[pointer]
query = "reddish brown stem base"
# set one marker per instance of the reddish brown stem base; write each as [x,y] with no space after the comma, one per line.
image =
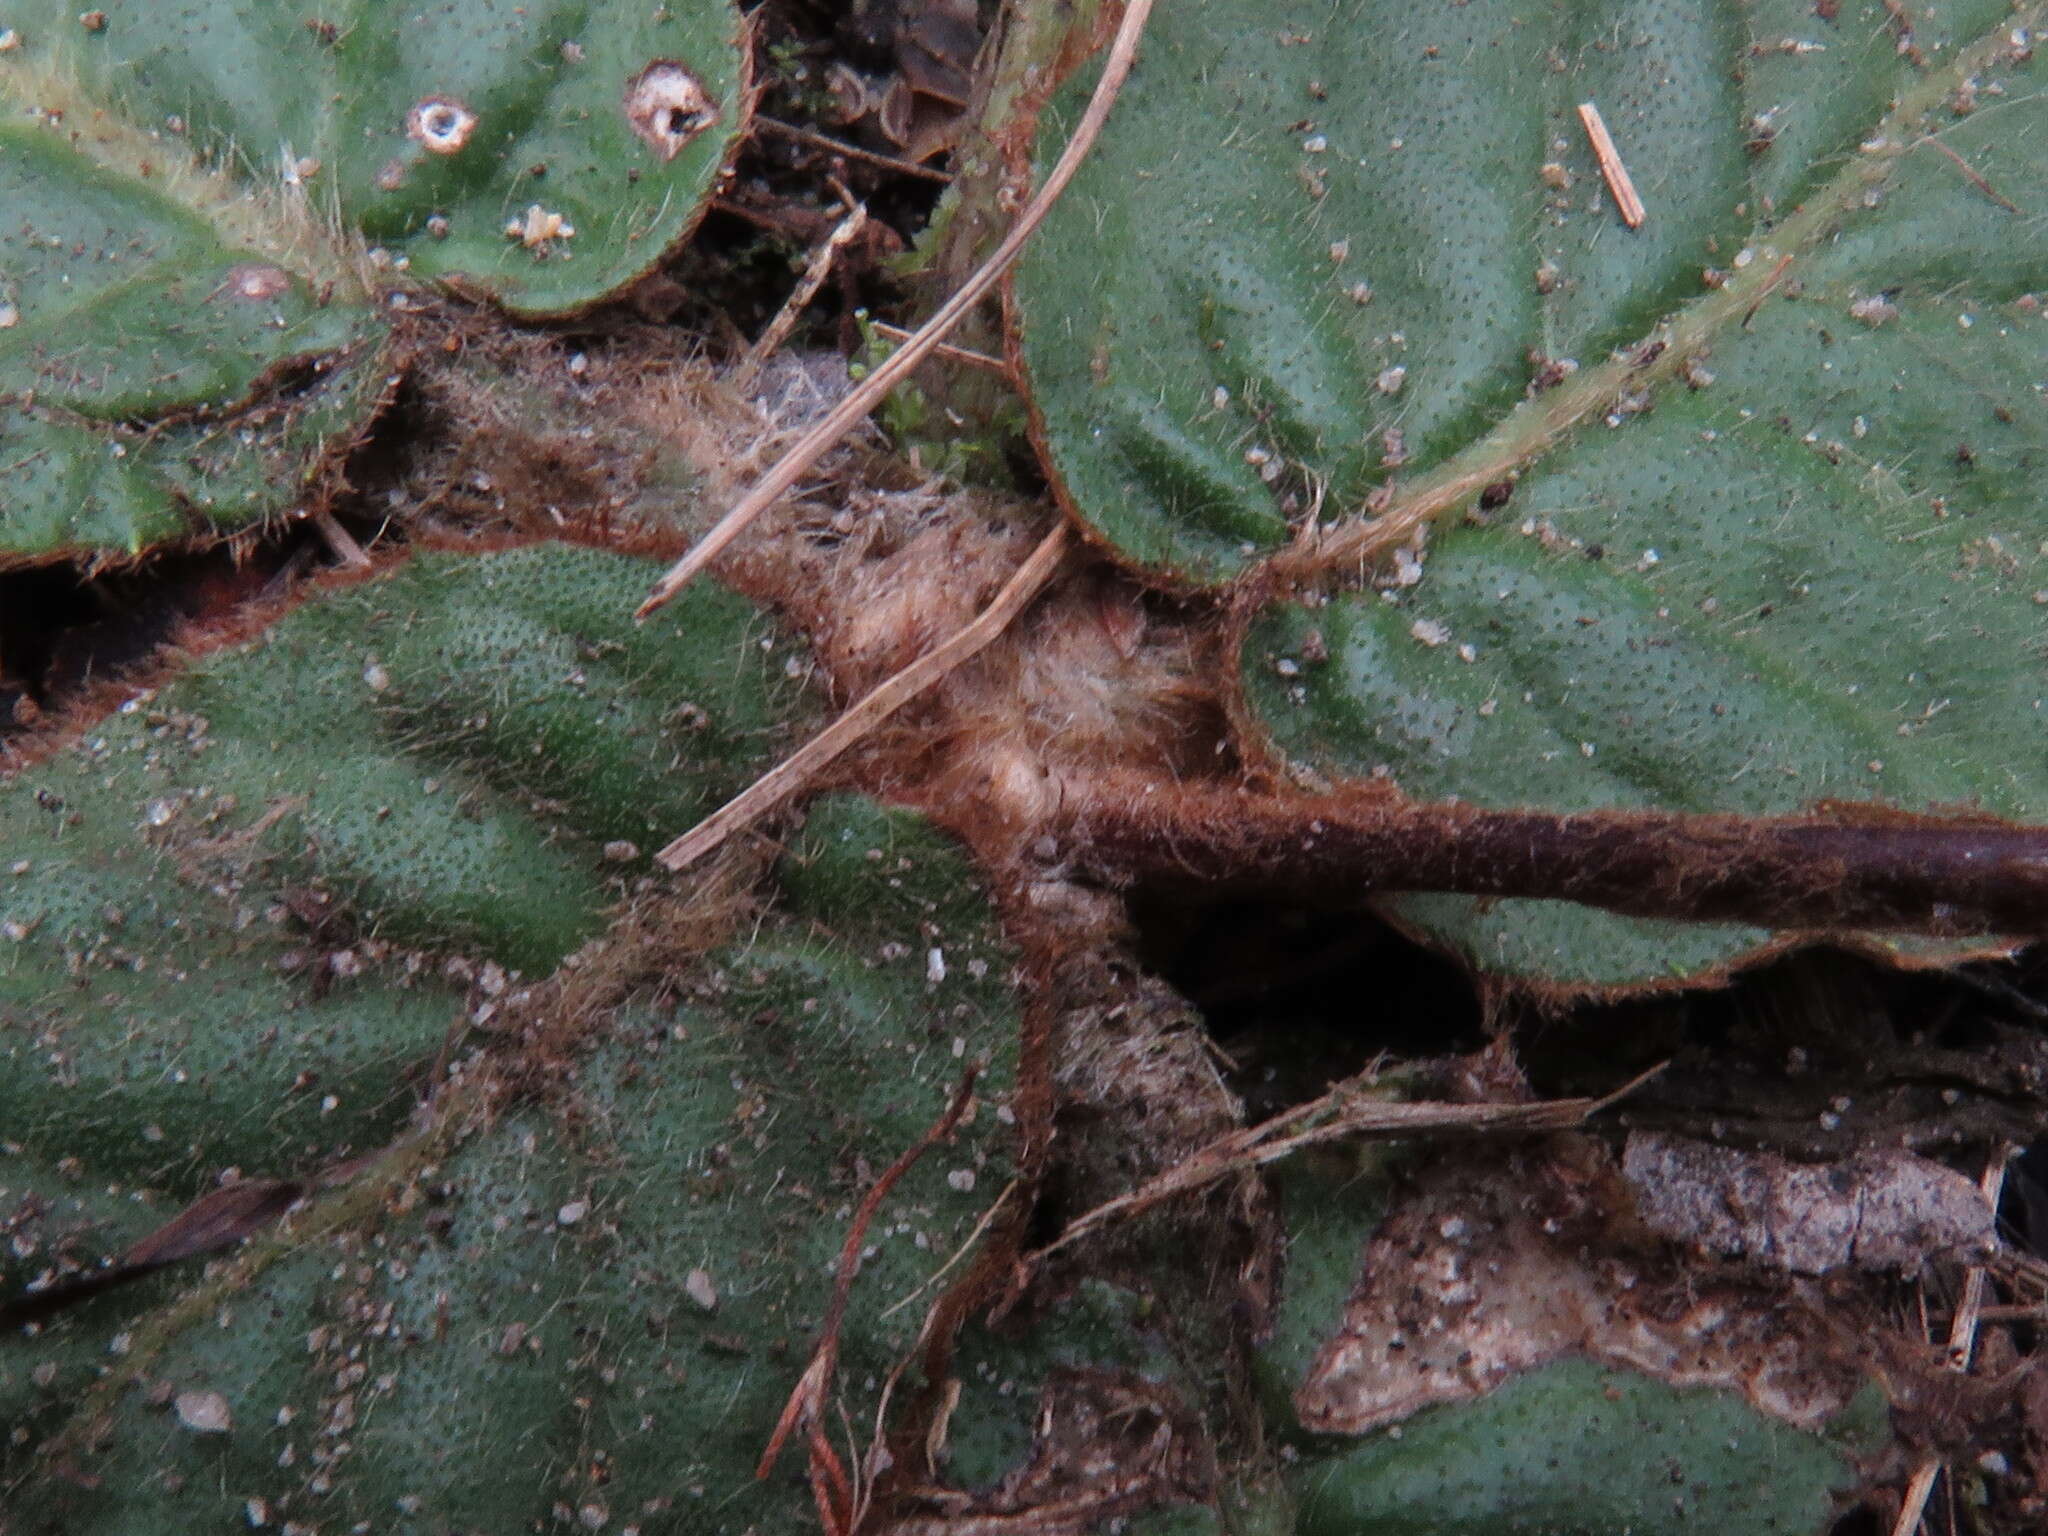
[1840,866]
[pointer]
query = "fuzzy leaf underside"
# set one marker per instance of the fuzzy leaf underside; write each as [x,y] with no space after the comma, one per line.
[1791,554]
[601,1300]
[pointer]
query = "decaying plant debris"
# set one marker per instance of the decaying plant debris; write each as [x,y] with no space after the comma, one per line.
[1711,1206]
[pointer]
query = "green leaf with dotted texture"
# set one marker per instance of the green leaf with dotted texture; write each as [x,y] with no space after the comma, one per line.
[212,204]
[1736,511]
[249,921]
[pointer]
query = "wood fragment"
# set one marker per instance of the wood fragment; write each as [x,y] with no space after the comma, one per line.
[876,386]
[1611,169]
[340,544]
[1962,1343]
[790,775]
[815,272]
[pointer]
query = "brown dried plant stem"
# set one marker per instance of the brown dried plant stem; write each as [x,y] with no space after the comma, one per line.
[830,1485]
[1346,1112]
[1837,867]
[1962,1344]
[796,770]
[822,261]
[871,391]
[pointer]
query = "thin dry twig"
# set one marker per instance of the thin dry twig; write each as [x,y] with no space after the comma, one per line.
[1972,176]
[1338,1114]
[790,775]
[945,349]
[815,272]
[340,543]
[830,1485]
[966,1247]
[871,391]
[850,151]
[1962,1343]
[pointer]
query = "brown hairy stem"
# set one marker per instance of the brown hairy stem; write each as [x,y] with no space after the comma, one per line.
[1838,866]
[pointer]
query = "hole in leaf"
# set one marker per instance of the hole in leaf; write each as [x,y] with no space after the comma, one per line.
[441,125]
[668,107]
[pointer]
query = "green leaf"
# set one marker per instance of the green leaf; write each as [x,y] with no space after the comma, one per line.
[595,1300]
[206,198]
[615,119]
[1577,1450]
[1569,1447]
[437,758]
[1782,546]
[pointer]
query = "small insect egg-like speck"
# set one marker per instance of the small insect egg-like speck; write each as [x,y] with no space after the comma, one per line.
[1391,380]
[935,972]
[205,1413]
[961,1179]
[1315,144]
[1360,293]
[1340,252]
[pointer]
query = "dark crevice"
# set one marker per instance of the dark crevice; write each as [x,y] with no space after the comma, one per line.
[1299,998]
[69,625]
